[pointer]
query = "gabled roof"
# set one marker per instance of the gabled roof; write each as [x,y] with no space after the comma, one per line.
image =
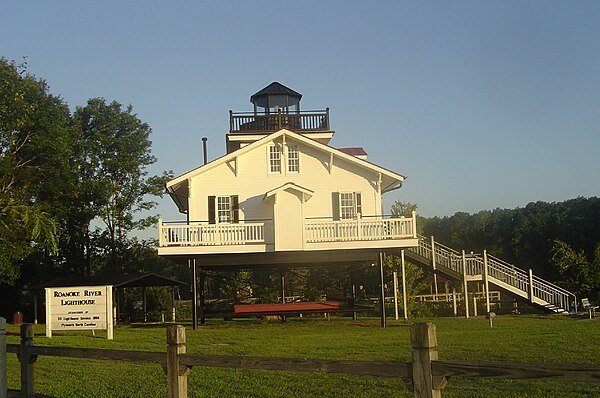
[174,183]
[276,88]
[307,193]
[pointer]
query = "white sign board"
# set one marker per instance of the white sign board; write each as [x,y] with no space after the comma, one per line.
[79,308]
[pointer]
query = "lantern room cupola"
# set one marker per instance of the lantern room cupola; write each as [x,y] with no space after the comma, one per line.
[275,98]
[276,107]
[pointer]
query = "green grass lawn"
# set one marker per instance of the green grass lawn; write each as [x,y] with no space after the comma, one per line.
[542,339]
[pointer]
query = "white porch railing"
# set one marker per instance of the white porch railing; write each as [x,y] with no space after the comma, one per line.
[360,229]
[210,234]
[202,234]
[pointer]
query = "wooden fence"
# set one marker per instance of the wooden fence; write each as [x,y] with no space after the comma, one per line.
[426,376]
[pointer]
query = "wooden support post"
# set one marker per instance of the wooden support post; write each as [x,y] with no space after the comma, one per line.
[404,298]
[395,293]
[282,286]
[27,360]
[454,307]
[531,298]
[486,282]
[115,312]
[465,285]
[382,290]
[434,267]
[354,314]
[176,374]
[3,383]
[192,264]
[282,276]
[35,307]
[474,305]
[173,303]
[432,253]
[110,324]
[202,282]
[423,339]
[145,304]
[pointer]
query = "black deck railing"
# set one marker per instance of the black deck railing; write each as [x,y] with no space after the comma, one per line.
[246,122]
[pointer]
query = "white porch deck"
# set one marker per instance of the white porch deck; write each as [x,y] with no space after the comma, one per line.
[250,237]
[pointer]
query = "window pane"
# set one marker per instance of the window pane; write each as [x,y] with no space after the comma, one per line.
[347,205]
[275,159]
[293,159]
[224,209]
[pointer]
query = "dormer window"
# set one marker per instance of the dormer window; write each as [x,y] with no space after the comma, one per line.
[293,159]
[274,159]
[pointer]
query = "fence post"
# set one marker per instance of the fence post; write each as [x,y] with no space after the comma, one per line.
[424,344]
[465,284]
[27,360]
[3,384]
[176,374]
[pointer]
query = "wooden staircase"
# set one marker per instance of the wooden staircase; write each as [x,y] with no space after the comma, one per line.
[491,270]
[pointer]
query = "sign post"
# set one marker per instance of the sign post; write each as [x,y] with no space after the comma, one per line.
[79,308]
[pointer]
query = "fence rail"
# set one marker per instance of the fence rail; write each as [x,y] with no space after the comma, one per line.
[494,295]
[516,371]
[426,376]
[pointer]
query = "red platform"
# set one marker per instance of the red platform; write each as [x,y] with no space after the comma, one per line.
[316,306]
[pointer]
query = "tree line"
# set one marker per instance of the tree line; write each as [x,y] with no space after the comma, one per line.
[74,184]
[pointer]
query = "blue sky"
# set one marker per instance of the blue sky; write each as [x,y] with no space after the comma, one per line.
[480,104]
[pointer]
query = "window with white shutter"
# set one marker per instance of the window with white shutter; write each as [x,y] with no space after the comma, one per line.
[223,209]
[347,205]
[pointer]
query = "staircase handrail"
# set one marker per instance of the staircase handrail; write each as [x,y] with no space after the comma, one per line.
[446,252]
[535,277]
[492,259]
[437,244]
[556,287]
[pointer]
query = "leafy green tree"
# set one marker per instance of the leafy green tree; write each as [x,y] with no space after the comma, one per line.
[33,125]
[112,157]
[403,209]
[579,274]
[406,209]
